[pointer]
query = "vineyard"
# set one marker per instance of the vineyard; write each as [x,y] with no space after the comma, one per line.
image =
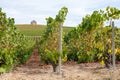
[90,46]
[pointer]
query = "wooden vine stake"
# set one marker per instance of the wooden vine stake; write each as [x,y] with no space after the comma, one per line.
[113,47]
[60,47]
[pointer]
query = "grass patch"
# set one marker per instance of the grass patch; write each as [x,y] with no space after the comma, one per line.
[35,30]
[31,30]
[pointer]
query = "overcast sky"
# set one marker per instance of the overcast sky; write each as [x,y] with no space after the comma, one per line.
[24,11]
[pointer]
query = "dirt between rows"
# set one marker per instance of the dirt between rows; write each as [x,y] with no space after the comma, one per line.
[36,70]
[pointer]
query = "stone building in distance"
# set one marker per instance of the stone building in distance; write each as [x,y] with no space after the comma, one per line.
[33,22]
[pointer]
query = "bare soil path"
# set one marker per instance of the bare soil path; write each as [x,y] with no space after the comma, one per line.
[36,70]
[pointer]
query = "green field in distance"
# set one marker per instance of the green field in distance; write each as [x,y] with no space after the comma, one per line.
[36,30]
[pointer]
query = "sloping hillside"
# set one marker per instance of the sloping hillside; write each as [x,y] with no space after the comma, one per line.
[35,30]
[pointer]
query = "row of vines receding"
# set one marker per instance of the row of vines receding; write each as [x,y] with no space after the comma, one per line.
[92,41]
[49,43]
[15,48]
